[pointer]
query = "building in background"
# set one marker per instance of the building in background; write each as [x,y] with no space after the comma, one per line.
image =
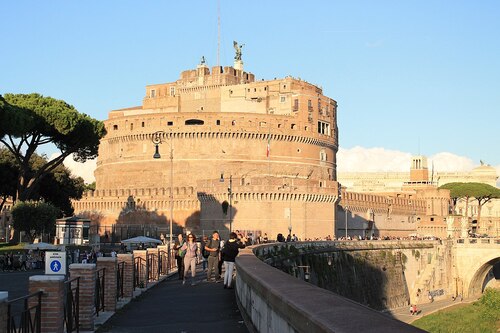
[234,153]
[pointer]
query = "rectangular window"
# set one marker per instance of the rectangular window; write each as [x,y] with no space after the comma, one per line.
[296,104]
[172,91]
[142,124]
[282,99]
[323,128]
[115,127]
[218,122]
[170,123]
[153,93]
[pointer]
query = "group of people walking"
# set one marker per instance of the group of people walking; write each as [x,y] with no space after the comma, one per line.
[214,251]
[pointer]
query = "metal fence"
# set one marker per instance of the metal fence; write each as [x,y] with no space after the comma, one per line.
[140,272]
[119,279]
[28,319]
[72,305]
[153,266]
[99,290]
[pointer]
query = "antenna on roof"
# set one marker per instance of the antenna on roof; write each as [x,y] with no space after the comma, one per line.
[218,33]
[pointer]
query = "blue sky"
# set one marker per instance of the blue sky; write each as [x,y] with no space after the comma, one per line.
[409,76]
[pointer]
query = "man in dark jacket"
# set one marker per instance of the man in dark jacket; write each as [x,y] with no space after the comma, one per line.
[230,251]
[179,255]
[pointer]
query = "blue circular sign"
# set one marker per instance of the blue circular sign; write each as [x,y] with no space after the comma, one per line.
[55,266]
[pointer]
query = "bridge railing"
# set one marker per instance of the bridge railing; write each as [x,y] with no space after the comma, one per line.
[492,241]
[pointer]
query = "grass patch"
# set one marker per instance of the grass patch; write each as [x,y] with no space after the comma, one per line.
[482,316]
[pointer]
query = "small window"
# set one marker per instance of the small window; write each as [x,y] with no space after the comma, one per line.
[284,86]
[293,126]
[296,105]
[153,93]
[115,127]
[282,99]
[170,123]
[265,88]
[279,125]
[432,219]
[131,126]
[172,91]
[254,89]
[233,122]
[218,122]
[142,124]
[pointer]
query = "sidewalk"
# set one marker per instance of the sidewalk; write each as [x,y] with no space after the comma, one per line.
[403,313]
[172,307]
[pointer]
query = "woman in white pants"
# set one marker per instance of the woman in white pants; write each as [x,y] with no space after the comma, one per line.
[190,258]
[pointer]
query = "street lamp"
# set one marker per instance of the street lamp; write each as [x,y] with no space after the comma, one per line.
[290,188]
[230,196]
[346,209]
[157,140]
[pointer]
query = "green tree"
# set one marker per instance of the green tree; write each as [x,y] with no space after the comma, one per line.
[90,187]
[34,217]
[8,176]
[31,121]
[483,193]
[457,191]
[58,186]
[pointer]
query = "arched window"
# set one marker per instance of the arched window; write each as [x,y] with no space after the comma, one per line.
[194,122]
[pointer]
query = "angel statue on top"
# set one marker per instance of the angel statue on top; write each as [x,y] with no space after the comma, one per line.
[238,50]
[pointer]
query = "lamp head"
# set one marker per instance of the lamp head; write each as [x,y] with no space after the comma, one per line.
[157,152]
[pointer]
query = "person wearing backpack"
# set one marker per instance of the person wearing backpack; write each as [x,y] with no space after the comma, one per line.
[229,252]
[213,249]
[179,255]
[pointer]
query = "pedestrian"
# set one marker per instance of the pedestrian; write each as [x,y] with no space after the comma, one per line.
[191,248]
[179,255]
[230,251]
[213,248]
[265,239]
[204,253]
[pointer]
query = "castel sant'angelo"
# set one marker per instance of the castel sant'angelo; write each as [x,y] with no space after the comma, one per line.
[232,152]
[219,150]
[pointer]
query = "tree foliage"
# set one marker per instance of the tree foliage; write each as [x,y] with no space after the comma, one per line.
[34,217]
[8,176]
[58,186]
[31,121]
[481,192]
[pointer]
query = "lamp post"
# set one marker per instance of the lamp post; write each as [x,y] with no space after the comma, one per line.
[157,140]
[230,196]
[346,209]
[290,188]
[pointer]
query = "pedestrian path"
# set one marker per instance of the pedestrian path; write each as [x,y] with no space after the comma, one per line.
[171,306]
[403,313]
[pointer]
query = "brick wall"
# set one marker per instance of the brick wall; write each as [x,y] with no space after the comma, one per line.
[87,274]
[52,300]
[110,264]
[128,274]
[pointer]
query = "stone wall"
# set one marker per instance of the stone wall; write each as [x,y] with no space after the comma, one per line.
[273,301]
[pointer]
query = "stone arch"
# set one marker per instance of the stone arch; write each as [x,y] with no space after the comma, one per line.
[480,270]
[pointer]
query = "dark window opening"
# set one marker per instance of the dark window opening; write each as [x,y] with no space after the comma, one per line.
[194,122]
[218,122]
[142,124]
[115,127]
[170,123]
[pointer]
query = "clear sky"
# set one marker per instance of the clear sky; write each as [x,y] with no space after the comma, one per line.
[409,77]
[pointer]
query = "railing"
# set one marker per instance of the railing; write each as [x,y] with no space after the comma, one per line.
[140,273]
[478,241]
[99,290]
[153,267]
[72,305]
[29,320]
[119,279]
[166,262]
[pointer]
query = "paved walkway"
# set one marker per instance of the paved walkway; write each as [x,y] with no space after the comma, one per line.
[403,314]
[172,307]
